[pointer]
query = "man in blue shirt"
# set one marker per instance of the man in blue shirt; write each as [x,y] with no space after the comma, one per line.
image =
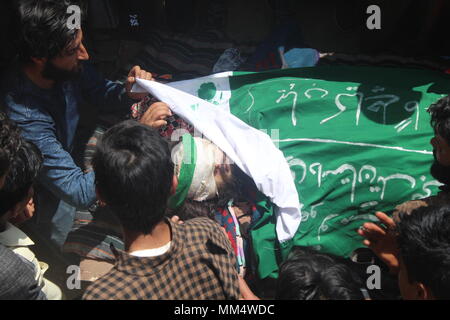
[42,94]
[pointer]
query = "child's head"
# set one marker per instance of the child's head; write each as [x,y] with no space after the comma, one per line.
[9,144]
[311,275]
[134,175]
[18,188]
[424,243]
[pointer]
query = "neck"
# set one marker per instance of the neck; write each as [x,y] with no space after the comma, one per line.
[136,241]
[34,73]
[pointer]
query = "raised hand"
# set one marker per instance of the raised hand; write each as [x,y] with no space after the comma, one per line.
[155,115]
[382,240]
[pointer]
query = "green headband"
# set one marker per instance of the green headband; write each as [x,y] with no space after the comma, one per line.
[186,172]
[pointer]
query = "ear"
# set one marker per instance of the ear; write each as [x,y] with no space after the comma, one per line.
[423,292]
[173,189]
[99,198]
[40,62]
[217,169]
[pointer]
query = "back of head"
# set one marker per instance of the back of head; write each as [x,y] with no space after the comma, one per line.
[424,243]
[440,117]
[310,275]
[43,31]
[134,174]
[20,178]
[10,142]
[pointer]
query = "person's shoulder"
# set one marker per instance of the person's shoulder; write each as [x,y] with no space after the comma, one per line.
[17,278]
[202,224]
[206,230]
[106,287]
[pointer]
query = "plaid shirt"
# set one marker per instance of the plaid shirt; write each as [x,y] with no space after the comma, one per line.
[200,264]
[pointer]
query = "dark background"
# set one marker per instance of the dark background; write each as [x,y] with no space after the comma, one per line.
[410,28]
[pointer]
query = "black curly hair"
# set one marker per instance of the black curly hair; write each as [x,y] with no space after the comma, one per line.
[440,117]
[424,243]
[10,142]
[311,275]
[41,27]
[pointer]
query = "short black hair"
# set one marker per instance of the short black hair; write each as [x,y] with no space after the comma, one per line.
[424,243]
[42,28]
[310,275]
[134,173]
[440,117]
[10,142]
[22,174]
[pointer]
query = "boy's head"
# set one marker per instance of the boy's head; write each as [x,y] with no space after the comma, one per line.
[10,142]
[424,243]
[134,175]
[310,275]
[18,188]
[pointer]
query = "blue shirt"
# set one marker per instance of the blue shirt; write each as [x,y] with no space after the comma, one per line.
[49,119]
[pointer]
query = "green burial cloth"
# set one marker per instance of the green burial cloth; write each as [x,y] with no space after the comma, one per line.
[356,140]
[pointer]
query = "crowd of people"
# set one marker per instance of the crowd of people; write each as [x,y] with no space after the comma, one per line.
[184,215]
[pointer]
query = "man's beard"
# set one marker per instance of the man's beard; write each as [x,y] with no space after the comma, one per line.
[440,172]
[57,74]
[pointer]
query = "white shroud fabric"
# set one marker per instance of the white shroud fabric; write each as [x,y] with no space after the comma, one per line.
[252,150]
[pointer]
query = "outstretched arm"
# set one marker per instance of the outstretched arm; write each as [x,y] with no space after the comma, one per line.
[382,240]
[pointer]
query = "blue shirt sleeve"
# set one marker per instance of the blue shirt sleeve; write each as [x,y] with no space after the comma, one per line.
[59,174]
[104,94]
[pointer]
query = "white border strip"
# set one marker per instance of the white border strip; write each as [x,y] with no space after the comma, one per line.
[359,144]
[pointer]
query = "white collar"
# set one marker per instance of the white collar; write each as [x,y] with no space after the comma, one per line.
[14,237]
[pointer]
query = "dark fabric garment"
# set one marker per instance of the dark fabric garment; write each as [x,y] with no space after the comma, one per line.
[185,56]
[93,233]
[17,278]
[200,264]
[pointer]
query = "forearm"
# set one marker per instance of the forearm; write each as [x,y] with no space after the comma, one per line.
[107,95]
[72,186]
[59,174]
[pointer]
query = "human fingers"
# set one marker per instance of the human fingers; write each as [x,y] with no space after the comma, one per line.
[159,105]
[146,75]
[373,228]
[134,72]
[156,113]
[158,124]
[158,108]
[385,219]
[371,231]
[177,220]
[160,114]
